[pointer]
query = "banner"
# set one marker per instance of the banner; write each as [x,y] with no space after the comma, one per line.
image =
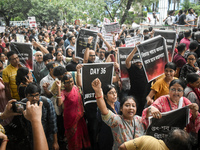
[112,27]
[20,38]
[130,42]
[32,22]
[103,71]
[171,38]
[154,56]
[25,53]
[123,54]
[81,42]
[159,128]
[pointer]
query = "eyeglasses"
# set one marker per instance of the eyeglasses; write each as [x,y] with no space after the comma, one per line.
[176,90]
[101,52]
[191,59]
[32,96]
[92,55]
[112,92]
[39,55]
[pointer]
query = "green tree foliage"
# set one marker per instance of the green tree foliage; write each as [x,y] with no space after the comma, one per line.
[14,8]
[44,11]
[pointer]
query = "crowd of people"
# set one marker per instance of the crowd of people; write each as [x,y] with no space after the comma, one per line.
[184,17]
[118,119]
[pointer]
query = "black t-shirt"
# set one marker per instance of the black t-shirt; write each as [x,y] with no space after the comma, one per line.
[71,66]
[181,19]
[139,84]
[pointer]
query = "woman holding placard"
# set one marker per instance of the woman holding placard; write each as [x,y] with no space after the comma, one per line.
[173,101]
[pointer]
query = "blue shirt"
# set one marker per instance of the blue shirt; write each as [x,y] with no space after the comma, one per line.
[66,43]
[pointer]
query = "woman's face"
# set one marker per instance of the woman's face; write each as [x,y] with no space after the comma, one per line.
[69,52]
[111,96]
[69,85]
[175,92]
[59,56]
[191,60]
[169,73]
[3,57]
[129,109]
[195,84]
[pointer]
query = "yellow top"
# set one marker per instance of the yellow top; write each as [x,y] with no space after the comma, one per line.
[145,143]
[9,76]
[161,88]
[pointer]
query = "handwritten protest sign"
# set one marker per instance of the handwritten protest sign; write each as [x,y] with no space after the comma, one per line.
[81,42]
[159,128]
[130,42]
[171,38]
[103,71]
[154,56]
[32,22]
[25,53]
[112,27]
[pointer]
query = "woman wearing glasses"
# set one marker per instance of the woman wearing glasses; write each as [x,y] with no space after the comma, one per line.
[104,133]
[74,122]
[173,101]
[190,66]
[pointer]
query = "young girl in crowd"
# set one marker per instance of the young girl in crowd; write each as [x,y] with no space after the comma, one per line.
[161,86]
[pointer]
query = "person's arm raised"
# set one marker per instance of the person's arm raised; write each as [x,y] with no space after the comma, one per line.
[78,68]
[106,43]
[130,57]
[86,54]
[96,85]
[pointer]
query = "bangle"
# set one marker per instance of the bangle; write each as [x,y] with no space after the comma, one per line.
[58,96]
[5,140]
[98,97]
[88,45]
[78,74]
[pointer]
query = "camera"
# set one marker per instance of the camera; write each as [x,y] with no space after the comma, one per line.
[18,107]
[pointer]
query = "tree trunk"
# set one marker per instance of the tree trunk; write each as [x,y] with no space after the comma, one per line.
[112,18]
[7,20]
[128,6]
[153,7]
[174,5]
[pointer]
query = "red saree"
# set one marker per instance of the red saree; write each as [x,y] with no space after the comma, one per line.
[74,123]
